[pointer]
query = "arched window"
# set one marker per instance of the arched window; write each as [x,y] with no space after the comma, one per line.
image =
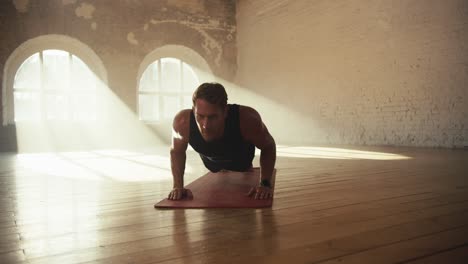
[166,87]
[54,85]
[52,78]
[167,77]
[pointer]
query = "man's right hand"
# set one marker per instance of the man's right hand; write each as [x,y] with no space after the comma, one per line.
[180,193]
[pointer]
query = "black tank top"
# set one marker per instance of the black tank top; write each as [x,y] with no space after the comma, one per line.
[231,152]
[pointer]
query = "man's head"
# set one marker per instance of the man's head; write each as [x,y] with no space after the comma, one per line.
[210,109]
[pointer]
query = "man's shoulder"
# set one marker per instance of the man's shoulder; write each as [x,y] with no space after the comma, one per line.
[181,123]
[248,114]
[250,122]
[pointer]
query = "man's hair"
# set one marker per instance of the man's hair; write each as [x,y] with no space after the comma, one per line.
[213,93]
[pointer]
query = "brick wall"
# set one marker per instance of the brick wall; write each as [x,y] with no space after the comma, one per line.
[357,72]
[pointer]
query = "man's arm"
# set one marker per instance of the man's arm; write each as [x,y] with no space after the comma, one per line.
[254,130]
[180,132]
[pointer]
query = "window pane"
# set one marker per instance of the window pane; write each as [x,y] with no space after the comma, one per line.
[28,75]
[190,80]
[56,69]
[56,107]
[171,75]
[150,78]
[27,107]
[187,102]
[82,77]
[83,107]
[148,107]
[171,106]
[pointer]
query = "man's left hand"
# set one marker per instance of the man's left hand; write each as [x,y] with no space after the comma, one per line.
[261,193]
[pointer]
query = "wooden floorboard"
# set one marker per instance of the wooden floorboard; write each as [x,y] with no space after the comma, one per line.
[341,205]
[455,255]
[420,246]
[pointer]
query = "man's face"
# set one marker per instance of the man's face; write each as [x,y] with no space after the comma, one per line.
[210,119]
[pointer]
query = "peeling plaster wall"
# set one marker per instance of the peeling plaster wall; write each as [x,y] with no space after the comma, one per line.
[123,32]
[357,72]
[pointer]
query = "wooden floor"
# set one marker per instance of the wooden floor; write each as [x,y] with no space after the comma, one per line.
[332,205]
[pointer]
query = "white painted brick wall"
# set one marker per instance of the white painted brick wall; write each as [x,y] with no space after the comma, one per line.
[356,72]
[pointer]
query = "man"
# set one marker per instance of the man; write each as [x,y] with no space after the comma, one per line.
[225,136]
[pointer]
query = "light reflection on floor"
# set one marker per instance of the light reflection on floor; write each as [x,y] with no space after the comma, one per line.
[131,166]
[100,165]
[66,201]
[335,153]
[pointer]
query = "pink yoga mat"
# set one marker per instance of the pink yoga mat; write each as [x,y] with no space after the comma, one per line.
[222,190]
